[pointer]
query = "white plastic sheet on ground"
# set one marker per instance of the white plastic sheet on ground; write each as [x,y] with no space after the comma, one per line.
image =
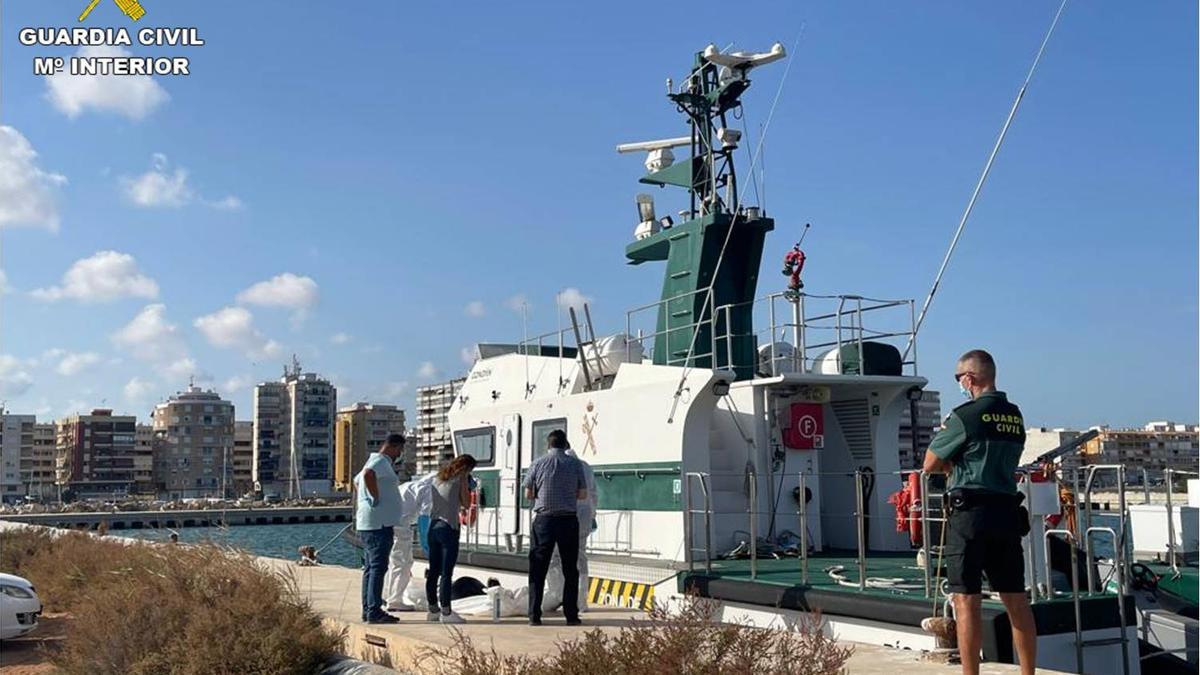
[512,603]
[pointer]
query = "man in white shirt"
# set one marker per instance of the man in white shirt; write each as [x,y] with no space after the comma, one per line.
[377,512]
[414,500]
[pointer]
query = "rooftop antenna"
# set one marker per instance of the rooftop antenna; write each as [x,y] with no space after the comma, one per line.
[962,223]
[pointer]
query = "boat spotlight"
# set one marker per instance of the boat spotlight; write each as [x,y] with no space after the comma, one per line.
[729,137]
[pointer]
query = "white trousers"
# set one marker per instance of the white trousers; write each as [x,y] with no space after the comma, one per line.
[400,564]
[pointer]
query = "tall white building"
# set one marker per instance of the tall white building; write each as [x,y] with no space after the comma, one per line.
[1040,440]
[294,421]
[16,439]
[433,439]
[37,467]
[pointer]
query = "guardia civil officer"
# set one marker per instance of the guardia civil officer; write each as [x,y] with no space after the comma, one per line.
[980,446]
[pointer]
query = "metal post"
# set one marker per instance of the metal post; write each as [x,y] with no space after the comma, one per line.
[1029,559]
[753,525]
[862,544]
[1145,486]
[1171,557]
[707,525]
[728,342]
[803,532]
[1074,589]
[1119,551]
[862,369]
[687,522]
[926,534]
[771,335]
[799,336]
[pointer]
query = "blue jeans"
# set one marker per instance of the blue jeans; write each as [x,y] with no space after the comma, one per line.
[377,545]
[443,555]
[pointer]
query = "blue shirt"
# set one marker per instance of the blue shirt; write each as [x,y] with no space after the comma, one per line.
[556,479]
[384,511]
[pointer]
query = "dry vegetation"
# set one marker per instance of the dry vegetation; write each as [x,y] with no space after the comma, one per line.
[690,642]
[148,609]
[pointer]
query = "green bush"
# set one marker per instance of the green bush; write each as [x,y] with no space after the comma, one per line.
[148,609]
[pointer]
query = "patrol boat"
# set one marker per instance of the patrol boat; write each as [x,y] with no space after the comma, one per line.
[744,446]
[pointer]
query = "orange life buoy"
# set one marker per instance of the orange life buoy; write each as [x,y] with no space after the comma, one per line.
[469,516]
[908,512]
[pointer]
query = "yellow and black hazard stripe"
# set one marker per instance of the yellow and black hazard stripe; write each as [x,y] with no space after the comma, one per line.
[616,593]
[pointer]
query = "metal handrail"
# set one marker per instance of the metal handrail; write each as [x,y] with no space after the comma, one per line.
[1074,588]
[803,531]
[753,476]
[1119,561]
[687,522]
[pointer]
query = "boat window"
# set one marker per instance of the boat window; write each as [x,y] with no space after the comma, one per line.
[479,443]
[541,431]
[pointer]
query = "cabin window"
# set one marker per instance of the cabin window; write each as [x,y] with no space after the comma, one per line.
[479,443]
[541,432]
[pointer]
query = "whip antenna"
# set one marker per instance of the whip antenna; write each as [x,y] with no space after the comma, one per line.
[962,223]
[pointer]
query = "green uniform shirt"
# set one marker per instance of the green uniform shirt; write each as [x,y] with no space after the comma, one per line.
[983,438]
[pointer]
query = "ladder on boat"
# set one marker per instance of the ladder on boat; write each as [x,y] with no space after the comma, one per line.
[583,345]
[1121,570]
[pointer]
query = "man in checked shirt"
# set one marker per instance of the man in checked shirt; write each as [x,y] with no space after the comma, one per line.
[556,482]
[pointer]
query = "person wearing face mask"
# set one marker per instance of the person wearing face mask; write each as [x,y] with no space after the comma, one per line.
[979,447]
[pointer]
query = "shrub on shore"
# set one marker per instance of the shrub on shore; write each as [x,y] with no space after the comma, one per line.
[689,641]
[148,609]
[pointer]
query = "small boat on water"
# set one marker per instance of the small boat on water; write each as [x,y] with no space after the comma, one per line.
[747,448]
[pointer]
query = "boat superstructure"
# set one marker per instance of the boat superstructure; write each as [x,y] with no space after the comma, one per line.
[745,447]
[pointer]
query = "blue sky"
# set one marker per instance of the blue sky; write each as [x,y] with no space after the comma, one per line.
[369,185]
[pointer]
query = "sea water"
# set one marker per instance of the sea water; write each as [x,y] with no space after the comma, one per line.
[273,541]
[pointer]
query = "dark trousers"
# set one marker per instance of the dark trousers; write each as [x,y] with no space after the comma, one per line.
[443,556]
[377,544]
[561,530]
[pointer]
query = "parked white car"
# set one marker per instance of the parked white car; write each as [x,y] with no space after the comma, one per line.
[19,606]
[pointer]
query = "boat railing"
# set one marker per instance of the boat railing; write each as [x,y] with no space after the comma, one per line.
[814,326]
[635,320]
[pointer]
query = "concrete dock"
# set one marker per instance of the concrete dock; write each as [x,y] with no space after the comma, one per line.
[335,593]
[175,519]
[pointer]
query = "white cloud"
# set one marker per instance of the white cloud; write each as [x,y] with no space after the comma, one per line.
[517,303]
[467,354]
[394,390]
[475,309]
[340,338]
[236,384]
[572,297]
[27,193]
[427,371]
[227,203]
[295,292]
[14,380]
[4,288]
[233,328]
[159,187]
[132,96]
[107,275]
[74,363]
[137,389]
[150,337]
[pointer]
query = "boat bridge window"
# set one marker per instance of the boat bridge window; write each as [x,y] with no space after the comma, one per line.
[541,432]
[479,443]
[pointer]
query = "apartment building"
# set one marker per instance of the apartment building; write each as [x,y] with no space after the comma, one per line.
[143,459]
[1154,447]
[361,429]
[294,434]
[95,455]
[16,440]
[929,420]
[193,443]
[243,457]
[434,442]
[37,467]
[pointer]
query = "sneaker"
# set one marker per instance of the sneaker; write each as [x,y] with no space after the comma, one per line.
[452,618]
[574,622]
[384,618]
[401,607]
[433,616]
[535,621]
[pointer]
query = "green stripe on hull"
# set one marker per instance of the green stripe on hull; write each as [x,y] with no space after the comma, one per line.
[645,486]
